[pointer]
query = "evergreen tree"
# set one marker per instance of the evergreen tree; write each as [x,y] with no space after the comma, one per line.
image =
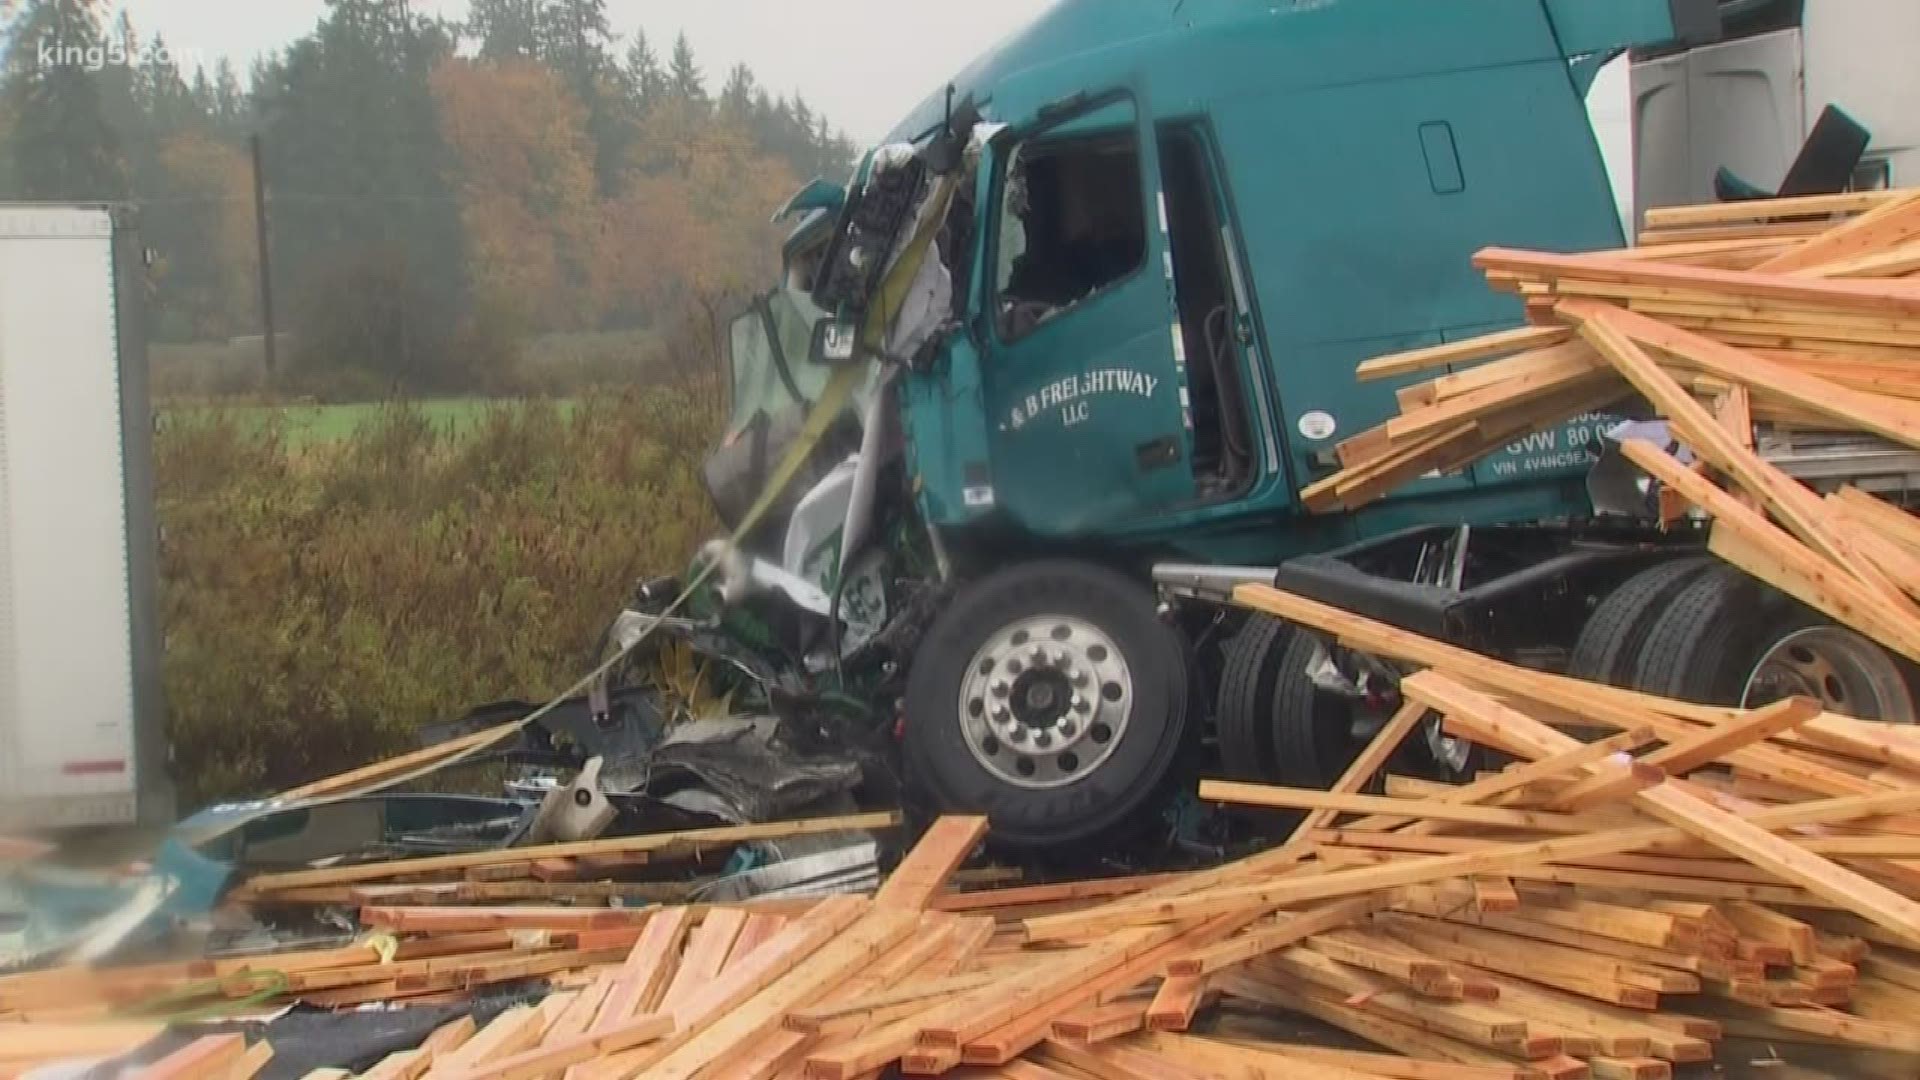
[62,144]
[644,76]
[364,194]
[230,104]
[577,44]
[506,29]
[737,98]
[684,80]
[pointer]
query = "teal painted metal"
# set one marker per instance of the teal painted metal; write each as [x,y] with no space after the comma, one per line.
[1364,150]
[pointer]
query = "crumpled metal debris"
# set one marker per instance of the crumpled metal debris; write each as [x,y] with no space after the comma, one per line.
[743,770]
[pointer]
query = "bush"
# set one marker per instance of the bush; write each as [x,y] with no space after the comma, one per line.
[321,603]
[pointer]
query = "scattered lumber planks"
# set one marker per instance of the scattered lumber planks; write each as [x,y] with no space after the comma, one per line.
[1425,921]
[1791,313]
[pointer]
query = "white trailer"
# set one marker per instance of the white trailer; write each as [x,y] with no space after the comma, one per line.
[1748,103]
[81,743]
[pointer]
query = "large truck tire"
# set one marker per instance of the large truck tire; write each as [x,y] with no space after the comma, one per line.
[1729,639]
[1051,698]
[1243,709]
[1609,645]
[1312,730]
[1317,734]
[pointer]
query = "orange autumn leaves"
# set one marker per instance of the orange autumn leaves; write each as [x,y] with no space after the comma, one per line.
[688,213]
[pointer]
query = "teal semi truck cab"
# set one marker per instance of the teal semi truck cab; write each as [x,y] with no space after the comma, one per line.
[1103,297]
[1201,217]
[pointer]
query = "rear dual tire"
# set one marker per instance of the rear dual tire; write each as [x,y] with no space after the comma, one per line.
[1729,639]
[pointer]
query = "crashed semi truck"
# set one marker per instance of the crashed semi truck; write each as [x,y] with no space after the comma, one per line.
[1095,309]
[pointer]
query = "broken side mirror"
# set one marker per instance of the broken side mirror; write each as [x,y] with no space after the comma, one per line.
[834,342]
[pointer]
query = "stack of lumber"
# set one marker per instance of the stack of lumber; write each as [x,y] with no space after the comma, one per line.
[1694,885]
[1795,312]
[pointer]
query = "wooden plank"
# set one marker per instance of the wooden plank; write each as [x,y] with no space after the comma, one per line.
[401,1065]
[1176,1003]
[1100,1023]
[1867,898]
[1719,213]
[754,933]
[1243,794]
[1848,408]
[1376,1027]
[738,984]
[1792,502]
[1286,931]
[1901,297]
[42,1041]
[1359,773]
[454,920]
[383,771]
[763,1012]
[1885,226]
[1897,524]
[852,1013]
[208,1055]
[481,892]
[554,1055]
[643,977]
[923,874]
[508,1033]
[1515,777]
[1402,462]
[1704,748]
[1746,539]
[1743,838]
[1821,1026]
[1599,704]
[1471,1022]
[1365,1062]
[1494,894]
[707,949]
[1027,895]
[250,1063]
[507,871]
[555,869]
[1138,964]
[1568,970]
[1461,352]
[1576,365]
[1503,858]
[449,1036]
[735,834]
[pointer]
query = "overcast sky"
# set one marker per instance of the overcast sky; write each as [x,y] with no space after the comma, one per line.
[865,62]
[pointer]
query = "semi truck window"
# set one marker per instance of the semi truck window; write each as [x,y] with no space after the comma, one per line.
[1072,218]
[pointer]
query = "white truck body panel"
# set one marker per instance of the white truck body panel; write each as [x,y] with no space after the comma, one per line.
[77,703]
[1859,56]
[1750,103]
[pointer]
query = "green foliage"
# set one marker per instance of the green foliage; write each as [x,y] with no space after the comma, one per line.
[61,144]
[323,600]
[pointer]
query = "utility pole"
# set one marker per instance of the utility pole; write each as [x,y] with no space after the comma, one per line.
[261,232]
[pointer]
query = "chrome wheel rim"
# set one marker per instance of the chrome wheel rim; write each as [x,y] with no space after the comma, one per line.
[1837,667]
[1045,701]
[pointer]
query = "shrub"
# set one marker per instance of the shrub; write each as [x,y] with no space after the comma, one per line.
[320,603]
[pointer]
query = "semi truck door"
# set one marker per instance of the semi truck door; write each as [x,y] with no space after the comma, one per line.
[1085,385]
